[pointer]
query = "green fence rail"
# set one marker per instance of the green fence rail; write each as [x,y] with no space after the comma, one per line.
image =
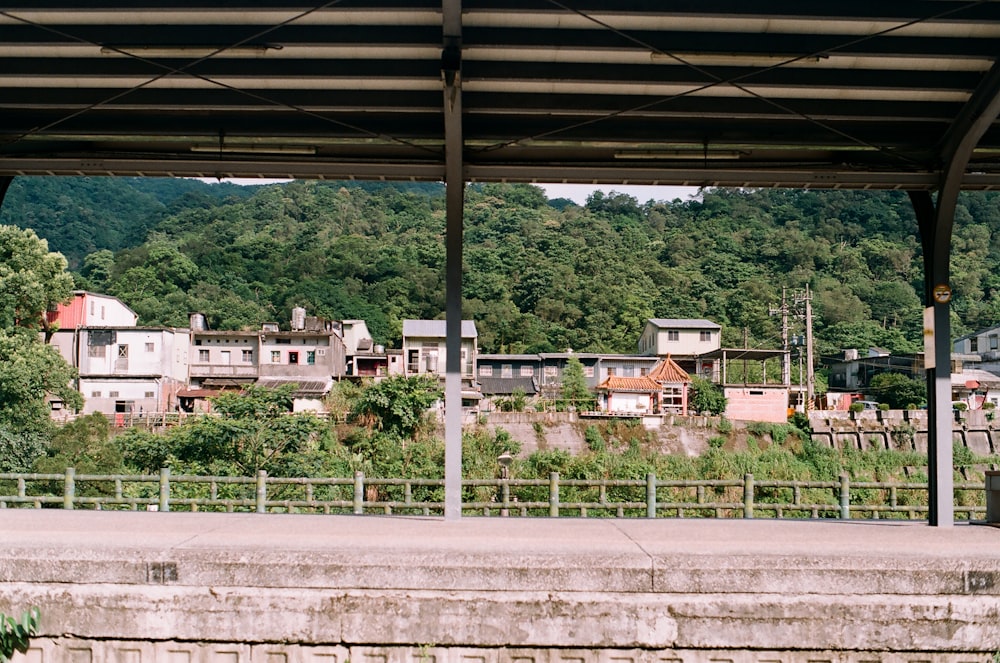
[555,496]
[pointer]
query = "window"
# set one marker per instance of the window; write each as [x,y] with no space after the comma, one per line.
[247,356]
[293,357]
[311,357]
[673,335]
[102,312]
[112,394]
[283,341]
[150,347]
[96,351]
[275,356]
[611,371]
[974,344]
[150,394]
[527,372]
[226,357]
[643,372]
[203,356]
[705,336]
[507,371]
[95,394]
[551,371]
[993,341]
[123,352]
[588,371]
[486,371]
[92,313]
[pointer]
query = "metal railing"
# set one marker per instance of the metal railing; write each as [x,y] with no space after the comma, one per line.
[553,497]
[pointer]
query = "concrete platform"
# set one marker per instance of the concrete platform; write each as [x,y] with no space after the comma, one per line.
[303,581]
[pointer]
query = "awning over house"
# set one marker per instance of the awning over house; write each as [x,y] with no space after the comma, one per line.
[507,386]
[198,393]
[227,382]
[308,387]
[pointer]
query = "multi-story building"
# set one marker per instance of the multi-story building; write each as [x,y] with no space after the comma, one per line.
[311,354]
[425,352]
[126,370]
[89,309]
[680,339]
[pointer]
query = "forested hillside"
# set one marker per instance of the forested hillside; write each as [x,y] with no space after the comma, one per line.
[539,276]
[80,215]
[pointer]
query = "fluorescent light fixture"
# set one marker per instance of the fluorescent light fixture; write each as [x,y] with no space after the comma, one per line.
[189,51]
[692,154]
[255,149]
[733,59]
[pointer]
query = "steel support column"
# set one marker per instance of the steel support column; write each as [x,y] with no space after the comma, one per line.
[935,222]
[936,219]
[451,65]
[4,186]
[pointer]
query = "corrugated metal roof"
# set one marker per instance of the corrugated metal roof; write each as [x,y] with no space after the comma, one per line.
[684,323]
[435,329]
[710,93]
[307,386]
[507,386]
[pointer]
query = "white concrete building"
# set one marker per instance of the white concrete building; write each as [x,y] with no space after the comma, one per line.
[681,339]
[127,370]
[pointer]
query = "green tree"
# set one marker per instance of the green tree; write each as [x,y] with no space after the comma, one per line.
[897,390]
[706,397]
[32,280]
[574,390]
[255,430]
[84,444]
[396,406]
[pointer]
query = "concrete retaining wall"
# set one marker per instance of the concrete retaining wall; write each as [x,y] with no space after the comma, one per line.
[141,587]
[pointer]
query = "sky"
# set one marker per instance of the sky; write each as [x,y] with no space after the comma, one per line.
[578,193]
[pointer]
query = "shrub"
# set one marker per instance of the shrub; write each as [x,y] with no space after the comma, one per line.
[725,426]
[594,439]
[856,407]
[883,407]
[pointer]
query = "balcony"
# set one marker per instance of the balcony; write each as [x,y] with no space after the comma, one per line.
[223,371]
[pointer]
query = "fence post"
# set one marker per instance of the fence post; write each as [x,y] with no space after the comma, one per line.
[845,497]
[651,495]
[359,493]
[164,489]
[69,487]
[261,490]
[554,494]
[748,496]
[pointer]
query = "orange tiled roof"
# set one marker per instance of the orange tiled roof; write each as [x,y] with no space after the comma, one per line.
[617,383]
[668,371]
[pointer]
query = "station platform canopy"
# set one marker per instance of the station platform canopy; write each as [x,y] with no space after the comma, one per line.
[852,94]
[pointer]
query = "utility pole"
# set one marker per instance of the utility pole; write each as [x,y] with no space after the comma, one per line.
[810,374]
[786,372]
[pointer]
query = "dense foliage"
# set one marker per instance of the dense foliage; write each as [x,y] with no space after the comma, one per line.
[539,276]
[31,281]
